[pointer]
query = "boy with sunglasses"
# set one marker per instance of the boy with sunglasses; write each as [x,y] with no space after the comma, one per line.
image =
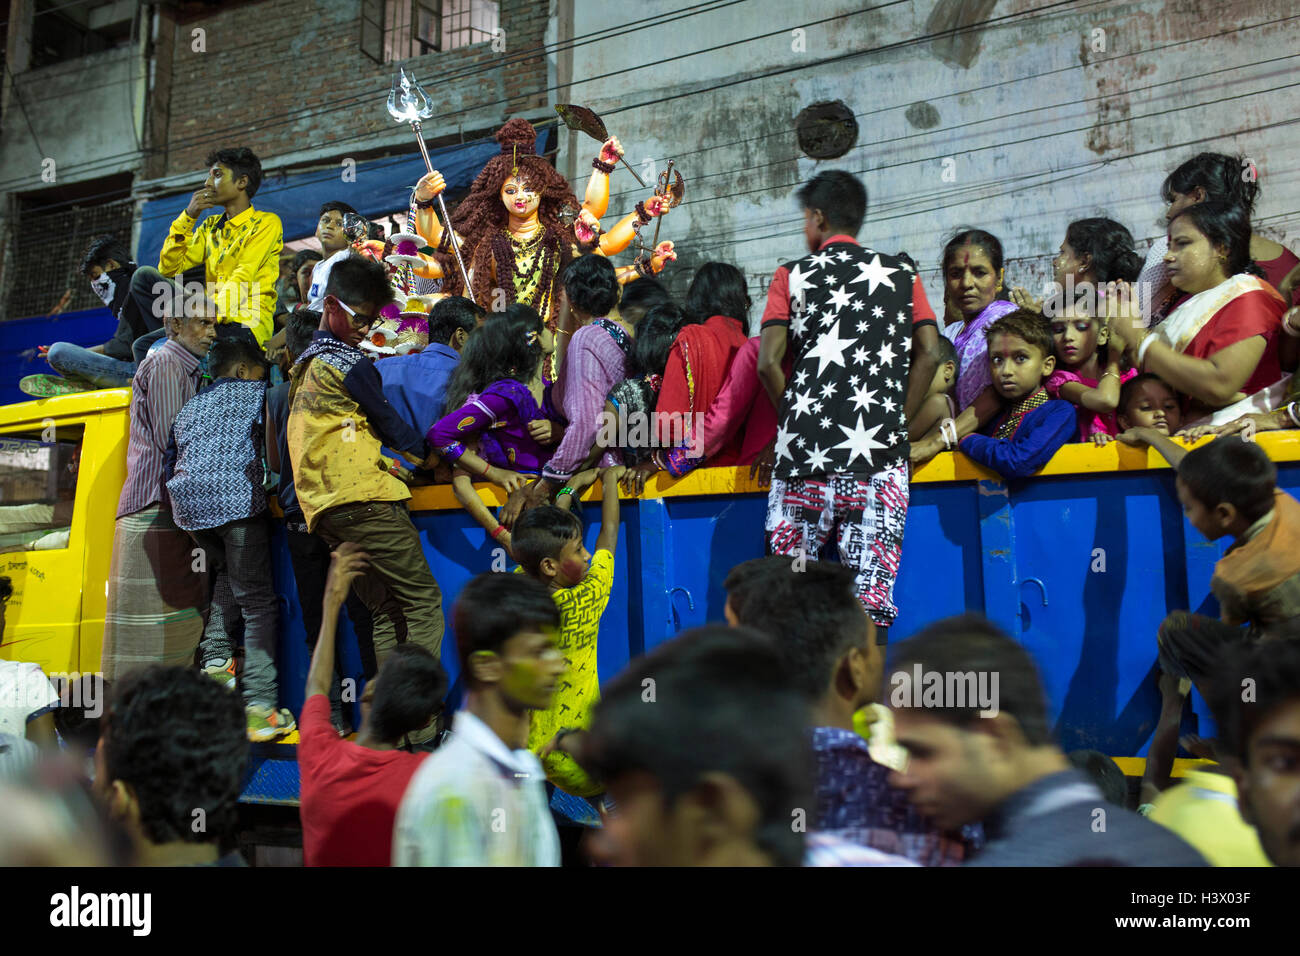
[338,421]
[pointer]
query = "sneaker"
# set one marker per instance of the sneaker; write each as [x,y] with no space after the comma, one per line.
[266,723]
[223,674]
[47,386]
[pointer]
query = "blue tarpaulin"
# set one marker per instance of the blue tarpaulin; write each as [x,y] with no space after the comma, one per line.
[380,186]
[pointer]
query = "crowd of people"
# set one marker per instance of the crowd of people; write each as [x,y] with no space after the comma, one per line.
[335,381]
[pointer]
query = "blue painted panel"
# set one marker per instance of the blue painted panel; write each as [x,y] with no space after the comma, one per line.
[967,544]
[18,355]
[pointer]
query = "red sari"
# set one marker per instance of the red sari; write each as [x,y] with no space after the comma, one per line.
[697,366]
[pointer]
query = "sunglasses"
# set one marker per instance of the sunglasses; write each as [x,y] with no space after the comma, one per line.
[359,321]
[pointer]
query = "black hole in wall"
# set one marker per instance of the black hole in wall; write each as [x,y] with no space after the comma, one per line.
[826,130]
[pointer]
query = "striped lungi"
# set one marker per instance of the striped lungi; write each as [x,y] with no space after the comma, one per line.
[156,600]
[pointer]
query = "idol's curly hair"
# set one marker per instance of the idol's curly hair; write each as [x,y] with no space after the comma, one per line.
[481,217]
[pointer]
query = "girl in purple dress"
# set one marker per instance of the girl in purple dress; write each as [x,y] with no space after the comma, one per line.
[501,424]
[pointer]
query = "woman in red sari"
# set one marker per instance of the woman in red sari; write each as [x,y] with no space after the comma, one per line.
[1219,347]
[718,303]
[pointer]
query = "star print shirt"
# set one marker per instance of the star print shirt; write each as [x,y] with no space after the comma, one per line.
[851,313]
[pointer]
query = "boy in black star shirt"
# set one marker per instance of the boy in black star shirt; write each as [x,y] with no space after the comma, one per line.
[852,318]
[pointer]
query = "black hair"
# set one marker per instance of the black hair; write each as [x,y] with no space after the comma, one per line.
[1273,667]
[591,285]
[1220,175]
[179,740]
[452,313]
[946,351]
[813,614]
[1128,391]
[356,279]
[640,296]
[74,723]
[1232,470]
[719,289]
[335,206]
[542,532]
[709,683]
[1104,772]
[1224,225]
[839,195]
[1025,324]
[299,329]
[655,335]
[978,238]
[971,645]
[751,574]
[304,256]
[1109,244]
[410,688]
[507,345]
[241,161]
[494,607]
[228,352]
[101,250]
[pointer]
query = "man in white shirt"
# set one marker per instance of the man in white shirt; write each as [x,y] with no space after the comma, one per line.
[27,699]
[480,800]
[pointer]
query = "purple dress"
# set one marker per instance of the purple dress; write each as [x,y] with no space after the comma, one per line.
[973,374]
[497,418]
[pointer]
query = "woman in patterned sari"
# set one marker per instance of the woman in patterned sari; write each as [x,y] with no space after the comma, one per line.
[972,278]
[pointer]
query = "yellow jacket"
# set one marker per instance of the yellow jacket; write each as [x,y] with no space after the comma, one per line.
[242,257]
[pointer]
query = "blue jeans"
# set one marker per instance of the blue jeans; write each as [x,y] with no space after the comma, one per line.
[82,365]
[239,558]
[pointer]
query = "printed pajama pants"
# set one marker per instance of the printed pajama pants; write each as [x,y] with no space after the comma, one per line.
[867,513]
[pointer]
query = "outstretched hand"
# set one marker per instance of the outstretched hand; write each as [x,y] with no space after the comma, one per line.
[662,255]
[347,563]
[611,151]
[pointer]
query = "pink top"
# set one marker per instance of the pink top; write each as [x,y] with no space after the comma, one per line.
[1090,422]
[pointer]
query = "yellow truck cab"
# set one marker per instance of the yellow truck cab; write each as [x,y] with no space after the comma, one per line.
[62,465]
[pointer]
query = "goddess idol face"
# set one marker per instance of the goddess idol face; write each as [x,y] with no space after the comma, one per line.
[519,199]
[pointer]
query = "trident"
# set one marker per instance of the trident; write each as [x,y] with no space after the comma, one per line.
[415,106]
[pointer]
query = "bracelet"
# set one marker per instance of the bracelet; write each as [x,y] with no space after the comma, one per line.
[1106,375]
[501,529]
[644,269]
[1293,410]
[566,490]
[1147,342]
[947,427]
[603,167]
[642,216]
[1287,327]
[423,203]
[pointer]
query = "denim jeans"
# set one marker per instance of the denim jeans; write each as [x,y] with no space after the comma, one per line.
[239,559]
[79,364]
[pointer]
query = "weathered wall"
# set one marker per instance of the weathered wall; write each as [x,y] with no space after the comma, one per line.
[1040,127]
[81,113]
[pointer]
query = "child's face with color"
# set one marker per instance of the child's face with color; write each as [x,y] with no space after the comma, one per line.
[1076,339]
[532,667]
[1153,405]
[1018,368]
[572,563]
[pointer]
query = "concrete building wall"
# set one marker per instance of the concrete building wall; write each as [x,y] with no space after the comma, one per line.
[1036,118]
[84,116]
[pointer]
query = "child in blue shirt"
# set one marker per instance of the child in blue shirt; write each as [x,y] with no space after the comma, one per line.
[1031,426]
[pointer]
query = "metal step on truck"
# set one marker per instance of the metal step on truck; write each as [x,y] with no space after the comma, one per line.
[1080,564]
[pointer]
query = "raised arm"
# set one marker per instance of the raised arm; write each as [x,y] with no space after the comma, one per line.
[596,200]
[347,563]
